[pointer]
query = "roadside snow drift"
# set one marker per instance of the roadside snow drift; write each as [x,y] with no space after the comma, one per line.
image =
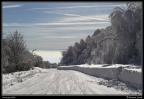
[131,77]
[67,82]
[129,74]
[17,77]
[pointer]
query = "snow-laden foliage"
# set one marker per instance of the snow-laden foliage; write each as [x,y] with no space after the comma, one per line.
[120,43]
[16,57]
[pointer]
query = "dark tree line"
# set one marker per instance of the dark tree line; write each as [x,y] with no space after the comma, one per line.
[120,43]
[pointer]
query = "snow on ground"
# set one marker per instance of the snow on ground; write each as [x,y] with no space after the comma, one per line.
[52,81]
[13,78]
[132,68]
[129,74]
[129,66]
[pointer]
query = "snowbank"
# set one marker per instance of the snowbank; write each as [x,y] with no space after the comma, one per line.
[109,73]
[131,77]
[16,77]
[129,74]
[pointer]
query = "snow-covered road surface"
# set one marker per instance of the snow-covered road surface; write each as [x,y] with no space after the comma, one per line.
[71,82]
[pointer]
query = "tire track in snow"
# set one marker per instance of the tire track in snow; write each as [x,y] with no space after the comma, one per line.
[59,82]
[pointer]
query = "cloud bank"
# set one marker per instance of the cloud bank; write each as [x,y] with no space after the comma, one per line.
[11,6]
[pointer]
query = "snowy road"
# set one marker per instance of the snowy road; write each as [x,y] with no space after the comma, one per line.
[62,82]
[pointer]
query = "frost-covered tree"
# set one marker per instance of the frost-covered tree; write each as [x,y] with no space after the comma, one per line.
[67,56]
[120,43]
[17,47]
[125,26]
[15,56]
[5,57]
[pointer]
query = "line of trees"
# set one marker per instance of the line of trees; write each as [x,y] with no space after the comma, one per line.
[16,57]
[120,43]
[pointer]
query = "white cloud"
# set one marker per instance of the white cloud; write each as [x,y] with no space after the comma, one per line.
[44,31]
[65,7]
[64,37]
[73,7]
[16,24]
[12,6]
[52,23]
[80,16]
[103,17]
[54,38]
[73,19]
[70,23]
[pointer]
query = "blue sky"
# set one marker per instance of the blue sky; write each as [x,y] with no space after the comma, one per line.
[55,25]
